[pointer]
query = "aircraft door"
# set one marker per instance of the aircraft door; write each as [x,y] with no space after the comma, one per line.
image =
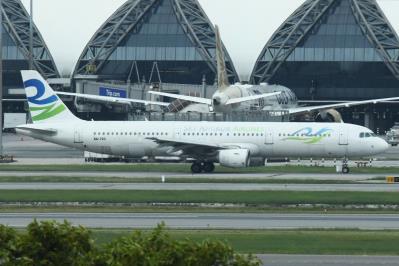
[269,138]
[343,138]
[78,137]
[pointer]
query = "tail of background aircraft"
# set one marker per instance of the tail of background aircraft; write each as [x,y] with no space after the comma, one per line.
[223,81]
[44,105]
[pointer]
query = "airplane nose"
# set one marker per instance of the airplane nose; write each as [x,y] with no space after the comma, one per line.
[383,146]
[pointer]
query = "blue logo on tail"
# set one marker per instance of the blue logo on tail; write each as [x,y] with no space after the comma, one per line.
[48,106]
[40,88]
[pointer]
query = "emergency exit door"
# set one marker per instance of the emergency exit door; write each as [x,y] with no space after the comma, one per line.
[78,138]
[269,138]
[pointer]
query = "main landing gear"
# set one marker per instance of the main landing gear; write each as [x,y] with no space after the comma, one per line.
[199,167]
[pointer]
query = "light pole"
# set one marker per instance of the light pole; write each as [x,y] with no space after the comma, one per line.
[31,36]
[1,77]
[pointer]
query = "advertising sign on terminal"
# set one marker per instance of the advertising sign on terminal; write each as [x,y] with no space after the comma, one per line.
[112,92]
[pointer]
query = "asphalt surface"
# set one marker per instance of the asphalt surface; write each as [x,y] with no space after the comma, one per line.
[202,186]
[25,147]
[338,177]
[309,260]
[210,221]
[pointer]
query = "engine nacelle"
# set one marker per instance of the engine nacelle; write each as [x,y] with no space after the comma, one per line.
[235,158]
[331,115]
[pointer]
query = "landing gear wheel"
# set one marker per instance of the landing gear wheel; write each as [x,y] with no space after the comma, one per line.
[196,168]
[208,167]
[345,170]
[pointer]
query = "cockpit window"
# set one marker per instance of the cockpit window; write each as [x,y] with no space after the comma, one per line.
[367,135]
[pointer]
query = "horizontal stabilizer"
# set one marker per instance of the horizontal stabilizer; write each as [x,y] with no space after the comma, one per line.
[45,131]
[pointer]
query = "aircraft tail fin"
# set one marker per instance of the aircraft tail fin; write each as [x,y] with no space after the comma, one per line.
[44,104]
[223,81]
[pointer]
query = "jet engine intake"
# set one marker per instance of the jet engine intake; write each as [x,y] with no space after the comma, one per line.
[330,116]
[234,158]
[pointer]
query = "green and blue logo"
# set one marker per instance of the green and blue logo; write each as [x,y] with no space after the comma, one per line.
[47,107]
[308,136]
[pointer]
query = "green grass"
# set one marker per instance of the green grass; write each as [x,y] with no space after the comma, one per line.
[184,168]
[74,179]
[334,242]
[232,197]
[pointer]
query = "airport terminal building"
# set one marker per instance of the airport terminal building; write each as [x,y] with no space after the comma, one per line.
[152,44]
[336,50]
[16,54]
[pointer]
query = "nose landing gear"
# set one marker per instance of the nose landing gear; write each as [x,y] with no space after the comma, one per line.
[345,167]
[199,167]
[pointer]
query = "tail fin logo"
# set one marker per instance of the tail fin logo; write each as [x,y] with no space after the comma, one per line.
[48,106]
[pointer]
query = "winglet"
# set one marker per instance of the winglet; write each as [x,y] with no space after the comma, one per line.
[223,81]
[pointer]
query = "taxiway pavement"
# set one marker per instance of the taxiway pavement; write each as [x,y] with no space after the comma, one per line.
[338,177]
[332,260]
[202,187]
[211,221]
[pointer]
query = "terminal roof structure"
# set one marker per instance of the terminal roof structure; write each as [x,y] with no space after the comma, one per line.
[169,41]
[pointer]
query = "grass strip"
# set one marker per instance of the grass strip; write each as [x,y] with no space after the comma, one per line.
[323,242]
[185,168]
[82,179]
[228,197]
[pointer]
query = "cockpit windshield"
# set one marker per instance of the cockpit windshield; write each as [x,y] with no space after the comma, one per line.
[367,135]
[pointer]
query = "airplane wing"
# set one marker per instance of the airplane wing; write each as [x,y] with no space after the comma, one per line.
[192,148]
[183,97]
[251,98]
[112,99]
[307,109]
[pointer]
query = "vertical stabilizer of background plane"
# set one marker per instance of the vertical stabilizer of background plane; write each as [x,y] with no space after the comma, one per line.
[223,81]
[44,105]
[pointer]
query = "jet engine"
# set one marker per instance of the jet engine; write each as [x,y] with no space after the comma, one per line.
[331,116]
[234,158]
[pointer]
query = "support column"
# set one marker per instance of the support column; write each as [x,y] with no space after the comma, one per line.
[369,119]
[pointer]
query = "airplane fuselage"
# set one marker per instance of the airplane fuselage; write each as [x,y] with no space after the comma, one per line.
[283,101]
[268,140]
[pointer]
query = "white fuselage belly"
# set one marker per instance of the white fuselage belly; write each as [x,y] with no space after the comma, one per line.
[262,139]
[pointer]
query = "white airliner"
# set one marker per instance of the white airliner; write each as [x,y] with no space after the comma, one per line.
[232,144]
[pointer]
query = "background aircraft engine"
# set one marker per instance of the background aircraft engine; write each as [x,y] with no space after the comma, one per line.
[235,158]
[331,116]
